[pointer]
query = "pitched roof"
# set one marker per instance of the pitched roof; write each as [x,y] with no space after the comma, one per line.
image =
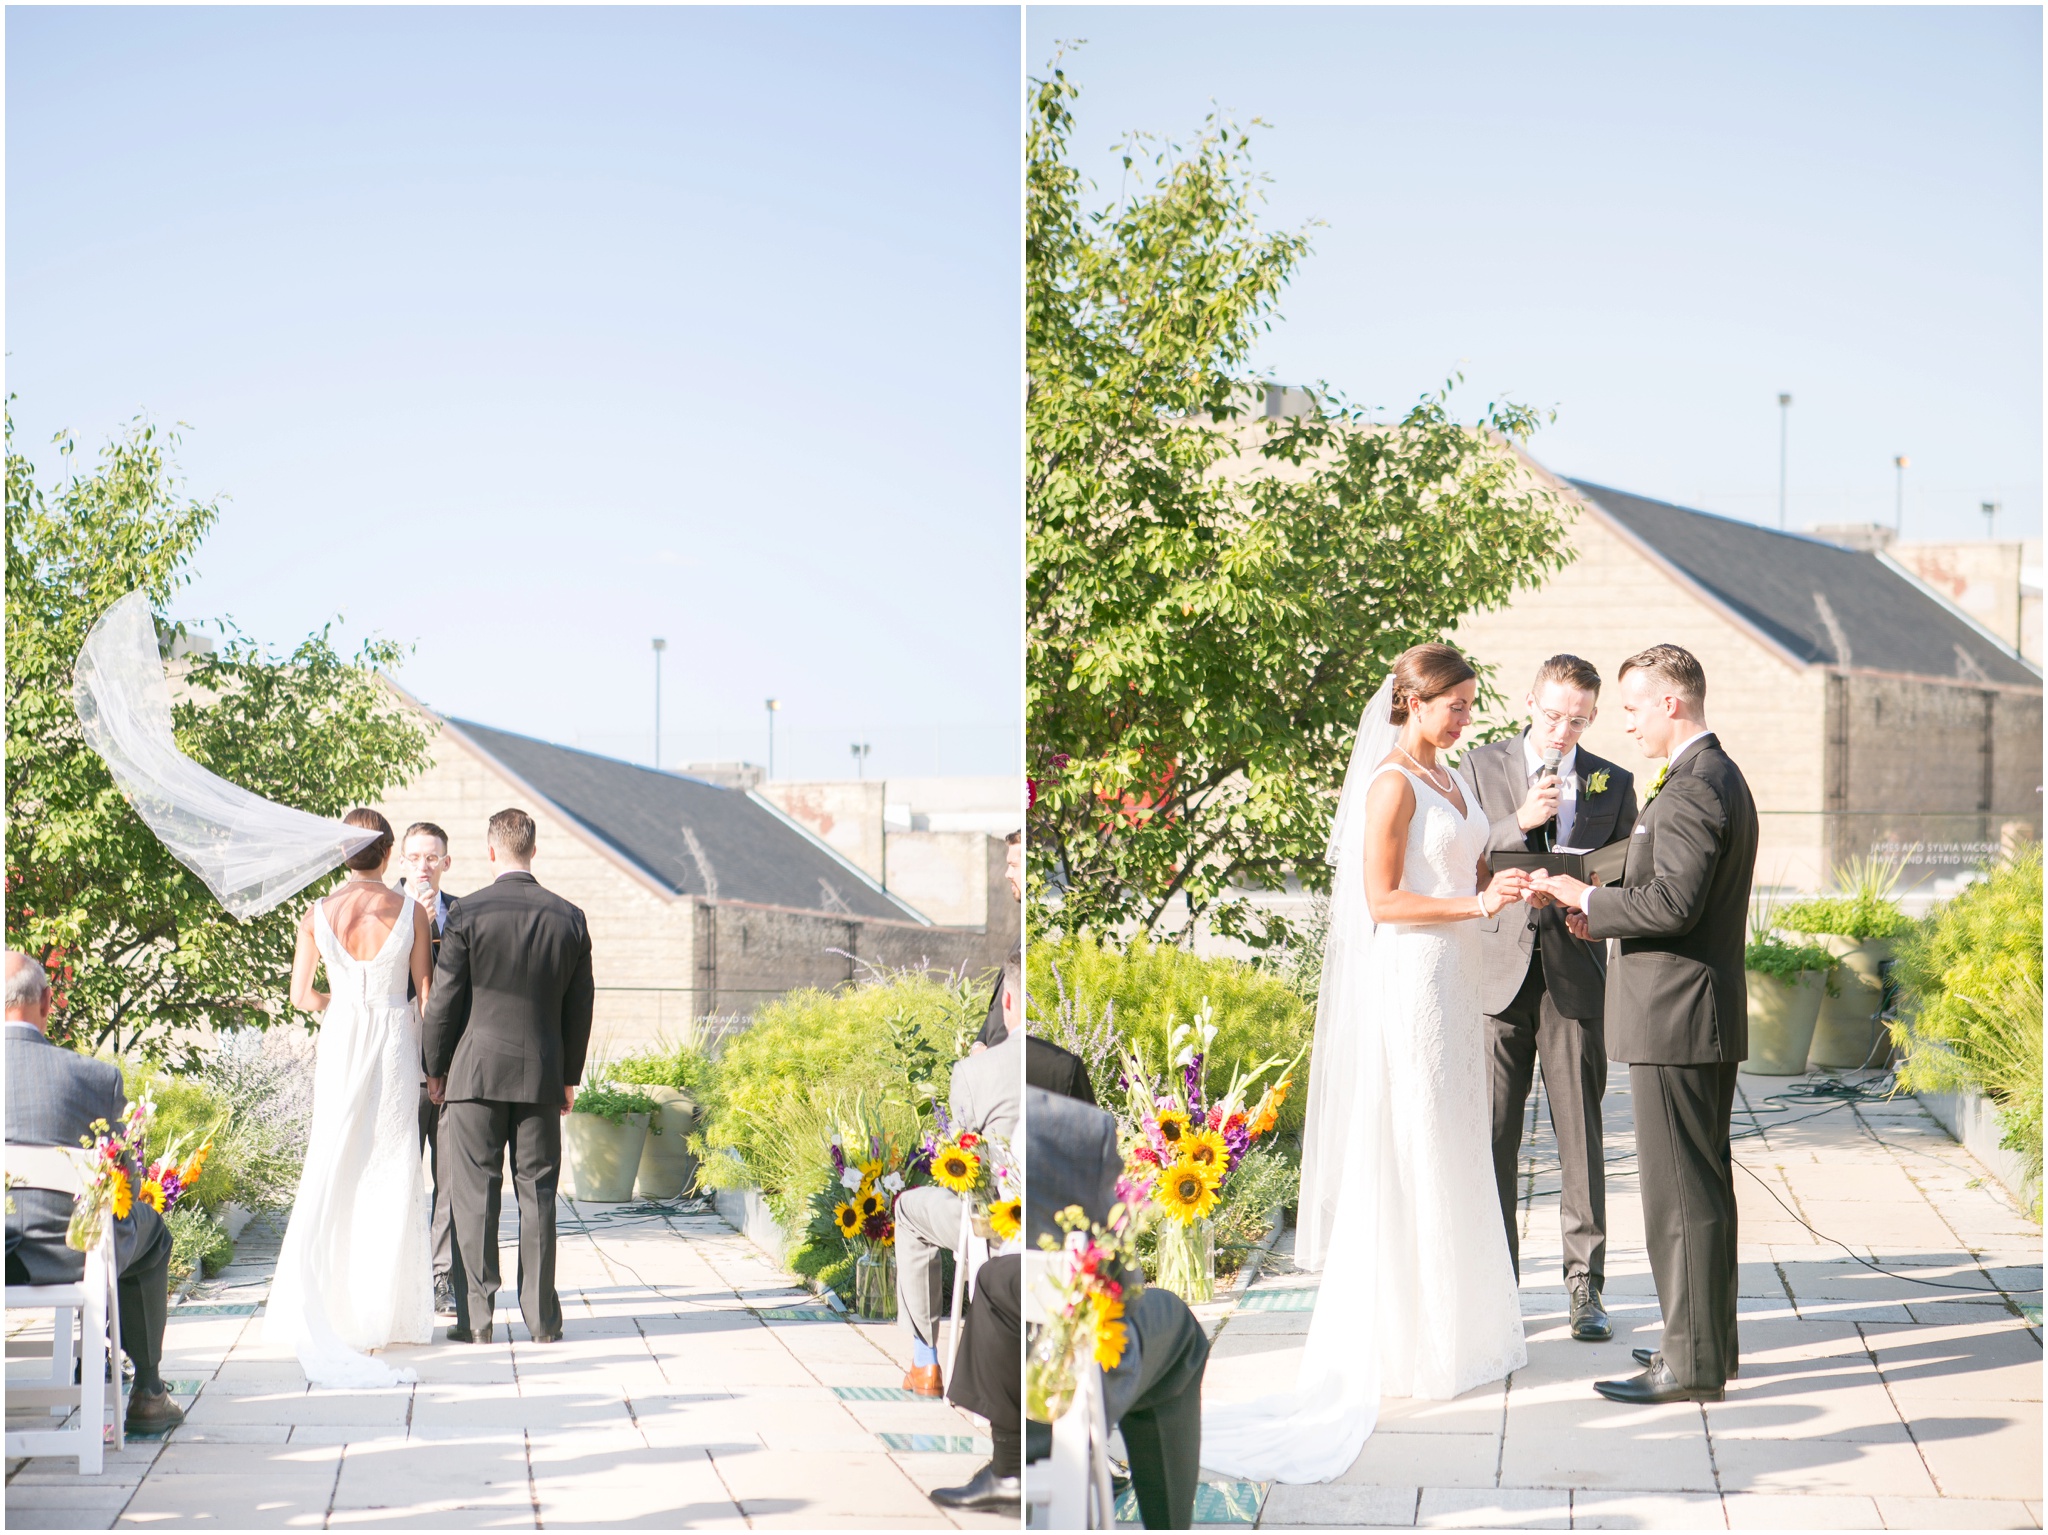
[1825,604]
[692,837]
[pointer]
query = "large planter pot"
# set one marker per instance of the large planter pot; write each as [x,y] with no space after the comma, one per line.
[666,1166]
[1781,1019]
[1846,1035]
[604,1158]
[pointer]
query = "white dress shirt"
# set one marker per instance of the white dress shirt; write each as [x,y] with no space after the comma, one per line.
[1586,895]
[1567,780]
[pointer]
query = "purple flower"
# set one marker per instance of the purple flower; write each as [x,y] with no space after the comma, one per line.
[838,1159]
[945,1124]
[874,1146]
[1237,1136]
[1191,1075]
[921,1159]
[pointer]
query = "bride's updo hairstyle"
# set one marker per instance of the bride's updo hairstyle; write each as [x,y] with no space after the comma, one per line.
[1425,672]
[370,858]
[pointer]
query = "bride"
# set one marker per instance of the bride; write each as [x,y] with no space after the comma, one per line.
[355,1269]
[1398,1203]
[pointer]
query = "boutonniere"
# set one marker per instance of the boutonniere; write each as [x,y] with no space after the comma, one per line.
[1597,784]
[1657,782]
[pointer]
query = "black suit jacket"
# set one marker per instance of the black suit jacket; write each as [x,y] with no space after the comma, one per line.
[1676,994]
[1060,1071]
[508,1019]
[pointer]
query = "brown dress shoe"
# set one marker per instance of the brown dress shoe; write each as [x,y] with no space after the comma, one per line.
[924,1380]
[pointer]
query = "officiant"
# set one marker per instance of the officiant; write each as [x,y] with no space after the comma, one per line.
[1543,989]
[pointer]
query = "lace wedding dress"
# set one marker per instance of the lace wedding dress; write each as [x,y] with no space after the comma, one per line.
[355,1271]
[1398,1203]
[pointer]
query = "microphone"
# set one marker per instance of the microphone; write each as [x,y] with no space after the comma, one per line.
[1552,759]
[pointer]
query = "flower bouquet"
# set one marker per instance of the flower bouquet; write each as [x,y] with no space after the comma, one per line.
[115,1176]
[861,1200]
[1094,1276]
[1183,1146]
[171,1176]
[983,1168]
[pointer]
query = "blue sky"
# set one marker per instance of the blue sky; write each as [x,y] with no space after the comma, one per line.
[1651,219]
[529,334]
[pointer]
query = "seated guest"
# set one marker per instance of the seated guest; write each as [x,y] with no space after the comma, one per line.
[988,1380]
[1055,1070]
[1154,1395]
[984,1097]
[53,1096]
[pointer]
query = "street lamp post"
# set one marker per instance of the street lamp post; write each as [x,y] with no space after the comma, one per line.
[860,758]
[659,647]
[1990,511]
[1899,507]
[1784,422]
[774,708]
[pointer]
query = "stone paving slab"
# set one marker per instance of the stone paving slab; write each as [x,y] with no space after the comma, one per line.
[678,1398]
[1894,1383]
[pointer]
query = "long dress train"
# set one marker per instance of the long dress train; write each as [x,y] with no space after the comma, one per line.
[1399,1207]
[355,1270]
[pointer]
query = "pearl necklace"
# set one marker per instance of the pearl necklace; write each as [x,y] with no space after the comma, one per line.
[1443,788]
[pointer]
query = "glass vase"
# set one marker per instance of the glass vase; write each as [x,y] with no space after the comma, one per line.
[1049,1372]
[1187,1259]
[874,1286]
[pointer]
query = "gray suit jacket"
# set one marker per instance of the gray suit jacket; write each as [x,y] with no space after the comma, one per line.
[1677,995]
[1574,972]
[988,1089]
[53,1096]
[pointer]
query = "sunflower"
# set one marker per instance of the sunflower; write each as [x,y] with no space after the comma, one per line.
[124,1194]
[1186,1192]
[1207,1150]
[1173,1125]
[956,1168]
[871,1204]
[153,1194]
[1110,1333]
[1005,1217]
[847,1219]
[869,1173]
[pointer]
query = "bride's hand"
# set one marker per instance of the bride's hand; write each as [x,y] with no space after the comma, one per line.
[1504,889]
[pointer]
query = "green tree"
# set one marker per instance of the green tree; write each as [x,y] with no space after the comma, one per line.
[1212,593]
[137,945]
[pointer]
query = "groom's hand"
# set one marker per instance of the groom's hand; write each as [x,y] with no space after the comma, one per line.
[437,1089]
[568,1099]
[1563,889]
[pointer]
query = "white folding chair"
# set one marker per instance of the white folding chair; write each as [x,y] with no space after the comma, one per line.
[85,1329]
[1071,1490]
[970,1252]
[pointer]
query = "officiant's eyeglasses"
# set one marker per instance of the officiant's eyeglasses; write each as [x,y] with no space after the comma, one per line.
[1578,722]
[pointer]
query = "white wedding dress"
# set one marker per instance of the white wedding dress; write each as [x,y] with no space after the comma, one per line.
[1398,1203]
[355,1271]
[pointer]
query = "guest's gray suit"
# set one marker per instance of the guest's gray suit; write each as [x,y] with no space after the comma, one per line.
[986,1097]
[1678,1013]
[53,1096]
[1543,993]
[1154,1395]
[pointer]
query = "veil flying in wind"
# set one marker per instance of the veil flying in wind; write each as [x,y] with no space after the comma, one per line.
[251,853]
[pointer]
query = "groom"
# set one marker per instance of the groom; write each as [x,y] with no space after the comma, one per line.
[1543,989]
[1678,1005]
[507,1026]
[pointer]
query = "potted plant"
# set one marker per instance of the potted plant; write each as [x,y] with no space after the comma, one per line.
[1858,928]
[606,1129]
[670,1074]
[1787,984]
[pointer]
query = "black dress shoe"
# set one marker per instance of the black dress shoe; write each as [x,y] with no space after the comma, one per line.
[547,1337]
[1655,1384]
[152,1412]
[460,1334]
[1589,1317]
[444,1297]
[985,1491]
[1648,1356]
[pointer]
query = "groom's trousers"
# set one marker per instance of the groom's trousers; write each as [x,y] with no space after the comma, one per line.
[1687,1176]
[1573,1052]
[475,1134]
